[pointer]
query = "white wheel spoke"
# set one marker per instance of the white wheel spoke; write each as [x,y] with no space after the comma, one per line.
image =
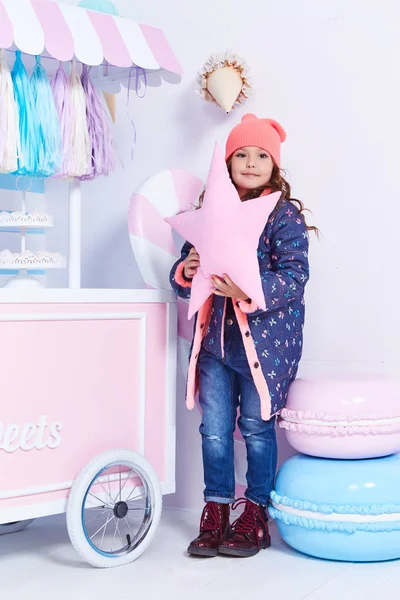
[115,533]
[97,516]
[135,498]
[129,499]
[119,533]
[120,489]
[130,532]
[104,532]
[131,518]
[101,501]
[105,525]
[99,482]
[109,489]
[128,476]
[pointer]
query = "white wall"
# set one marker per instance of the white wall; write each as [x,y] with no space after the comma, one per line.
[329,72]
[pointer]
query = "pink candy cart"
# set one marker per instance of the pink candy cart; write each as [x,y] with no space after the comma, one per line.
[87,423]
[88,414]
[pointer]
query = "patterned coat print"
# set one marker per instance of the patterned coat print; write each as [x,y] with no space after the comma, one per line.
[273,338]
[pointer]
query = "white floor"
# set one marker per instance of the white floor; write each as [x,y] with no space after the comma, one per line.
[40,563]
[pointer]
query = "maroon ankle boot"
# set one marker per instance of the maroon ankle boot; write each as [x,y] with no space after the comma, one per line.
[214,526]
[249,533]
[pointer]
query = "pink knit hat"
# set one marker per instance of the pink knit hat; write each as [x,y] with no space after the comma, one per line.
[262,133]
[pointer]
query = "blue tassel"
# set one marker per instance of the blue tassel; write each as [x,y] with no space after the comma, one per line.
[48,124]
[28,161]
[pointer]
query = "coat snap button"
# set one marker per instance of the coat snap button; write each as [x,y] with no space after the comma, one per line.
[247,334]
[256,365]
[229,322]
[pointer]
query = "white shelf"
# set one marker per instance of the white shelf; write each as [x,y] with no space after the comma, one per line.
[19,220]
[89,296]
[20,226]
[31,267]
[31,261]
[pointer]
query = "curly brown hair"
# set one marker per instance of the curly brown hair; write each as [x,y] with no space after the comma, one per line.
[277,183]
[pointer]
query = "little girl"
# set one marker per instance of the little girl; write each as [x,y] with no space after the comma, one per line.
[246,352]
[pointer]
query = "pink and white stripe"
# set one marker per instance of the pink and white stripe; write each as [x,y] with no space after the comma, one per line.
[68,32]
[165,194]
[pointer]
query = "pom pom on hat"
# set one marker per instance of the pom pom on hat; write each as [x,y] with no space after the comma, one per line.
[262,133]
[249,117]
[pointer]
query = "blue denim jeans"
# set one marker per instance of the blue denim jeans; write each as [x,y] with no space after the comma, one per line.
[226,385]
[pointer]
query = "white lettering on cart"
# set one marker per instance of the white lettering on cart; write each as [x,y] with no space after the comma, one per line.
[30,436]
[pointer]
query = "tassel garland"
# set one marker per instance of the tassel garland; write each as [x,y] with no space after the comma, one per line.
[60,128]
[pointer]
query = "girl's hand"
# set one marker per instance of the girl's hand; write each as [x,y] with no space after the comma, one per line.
[225,287]
[192,263]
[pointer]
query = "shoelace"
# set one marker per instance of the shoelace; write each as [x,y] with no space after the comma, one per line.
[210,518]
[248,519]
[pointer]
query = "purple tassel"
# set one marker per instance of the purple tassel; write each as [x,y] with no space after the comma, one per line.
[99,124]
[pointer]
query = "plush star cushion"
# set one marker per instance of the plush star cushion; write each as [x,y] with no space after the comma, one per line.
[225,233]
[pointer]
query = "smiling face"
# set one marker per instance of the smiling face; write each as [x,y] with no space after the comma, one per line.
[251,168]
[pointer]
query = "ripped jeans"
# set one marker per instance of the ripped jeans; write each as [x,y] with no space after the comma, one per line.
[226,385]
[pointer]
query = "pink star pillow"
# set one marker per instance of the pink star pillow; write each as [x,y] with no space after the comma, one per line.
[225,233]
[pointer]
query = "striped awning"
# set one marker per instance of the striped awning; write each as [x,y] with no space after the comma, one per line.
[65,32]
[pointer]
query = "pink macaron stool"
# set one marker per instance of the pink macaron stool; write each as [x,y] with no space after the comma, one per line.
[343,417]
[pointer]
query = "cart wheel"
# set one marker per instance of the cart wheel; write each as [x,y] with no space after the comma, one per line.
[14,527]
[114,508]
